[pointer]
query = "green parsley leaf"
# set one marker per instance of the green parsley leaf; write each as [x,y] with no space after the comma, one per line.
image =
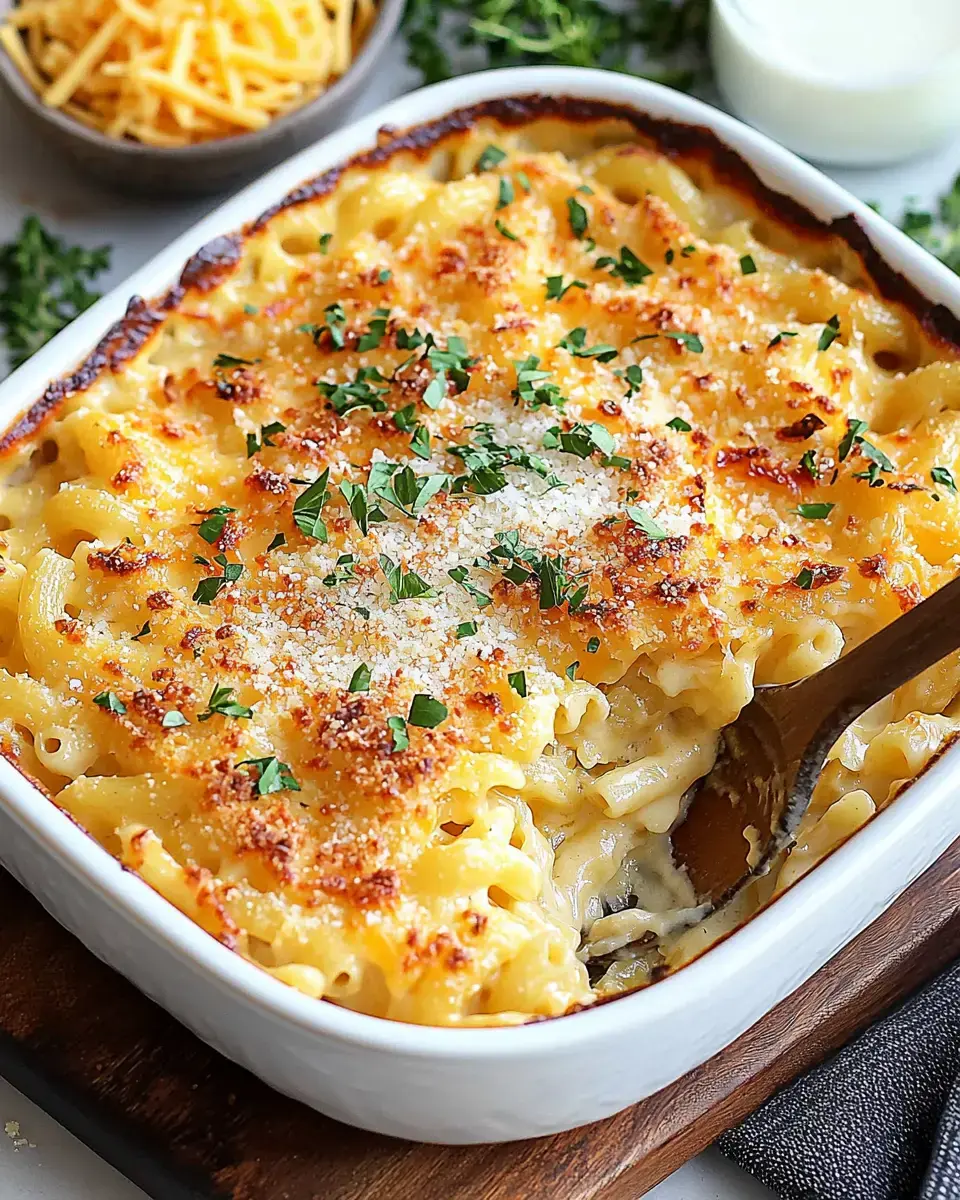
[267,433]
[505,194]
[582,440]
[375,330]
[831,331]
[208,589]
[144,630]
[775,341]
[324,240]
[804,579]
[690,340]
[642,519]
[461,576]
[530,388]
[466,629]
[556,585]
[251,310]
[571,671]
[420,442]
[111,702]
[855,427]
[518,681]
[228,362]
[504,231]
[216,520]
[809,464]
[405,419]
[276,541]
[557,289]
[627,267]
[491,157]
[425,712]
[360,679]
[634,377]
[334,325]
[577,216]
[404,585]
[524,180]
[343,572]
[362,504]
[747,265]
[220,704]
[398,730]
[679,425]
[814,512]
[174,719]
[365,391]
[593,645]
[272,775]
[384,275]
[43,287]
[575,344]
[942,476]
[308,506]
[405,489]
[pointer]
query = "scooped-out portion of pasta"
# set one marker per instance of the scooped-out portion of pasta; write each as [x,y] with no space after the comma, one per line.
[379,592]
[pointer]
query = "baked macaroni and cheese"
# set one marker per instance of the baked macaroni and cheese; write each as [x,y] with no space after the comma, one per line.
[378,593]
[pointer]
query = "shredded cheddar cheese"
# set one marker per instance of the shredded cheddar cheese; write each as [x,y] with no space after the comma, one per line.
[172,72]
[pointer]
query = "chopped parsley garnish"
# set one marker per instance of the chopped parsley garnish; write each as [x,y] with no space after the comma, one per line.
[557,289]
[256,443]
[530,386]
[404,585]
[556,585]
[747,265]
[220,704]
[505,193]
[461,576]
[634,377]
[425,712]
[278,539]
[365,391]
[466,629]
[504,231]
[362,504]
[227,362]
[360,679]
[571,671]
[308,506]
[679,425]
[344,571]
[213,526]
[111,702]
[375,330]
[174,719]
[251,310]
[420,442]
[518,681]
[486,460]
[324,240]
[575,344]
[384,275]
[207,590]
[831,331]
[775,341]
[627,267]
[144,630]
[524,180]
[804,579]
[690,340]
[814,512]
[272,775]
[400,486]
[398,732]
[453,360]
[808,462]
[405,418]
[43,287]
[577,215]
[334,325]
[491,157]
[942,476]
[642,519]
[878,460]
[582,440]
[593,645]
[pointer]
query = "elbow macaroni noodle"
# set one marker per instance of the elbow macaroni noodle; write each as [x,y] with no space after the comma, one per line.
[380,608]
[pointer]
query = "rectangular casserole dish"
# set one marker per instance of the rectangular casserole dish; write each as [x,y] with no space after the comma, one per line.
[481,1085]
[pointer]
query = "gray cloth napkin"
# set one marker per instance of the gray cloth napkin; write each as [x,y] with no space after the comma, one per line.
[878,1121]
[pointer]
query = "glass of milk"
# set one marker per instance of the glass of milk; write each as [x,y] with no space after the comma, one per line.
[846,82]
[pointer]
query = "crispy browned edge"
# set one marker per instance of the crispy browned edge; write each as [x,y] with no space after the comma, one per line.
[212,263]
[685,143]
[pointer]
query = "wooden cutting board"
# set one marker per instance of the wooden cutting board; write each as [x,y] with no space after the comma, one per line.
[185,1124]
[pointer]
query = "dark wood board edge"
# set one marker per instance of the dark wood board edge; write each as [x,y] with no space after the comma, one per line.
[185,1124]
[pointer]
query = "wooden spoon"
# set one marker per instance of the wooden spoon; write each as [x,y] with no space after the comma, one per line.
[771,756]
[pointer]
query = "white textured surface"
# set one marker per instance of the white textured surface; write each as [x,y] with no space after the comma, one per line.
[57,1166]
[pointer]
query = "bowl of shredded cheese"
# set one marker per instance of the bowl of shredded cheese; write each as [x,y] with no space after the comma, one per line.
[187,96]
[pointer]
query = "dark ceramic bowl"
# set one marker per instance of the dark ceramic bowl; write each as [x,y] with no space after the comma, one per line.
[207,166]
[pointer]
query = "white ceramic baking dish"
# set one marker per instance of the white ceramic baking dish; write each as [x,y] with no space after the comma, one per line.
[474,1085]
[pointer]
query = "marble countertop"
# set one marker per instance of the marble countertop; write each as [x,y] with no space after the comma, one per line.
[39,1160]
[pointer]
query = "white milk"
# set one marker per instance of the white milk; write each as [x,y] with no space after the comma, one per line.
[843,81]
